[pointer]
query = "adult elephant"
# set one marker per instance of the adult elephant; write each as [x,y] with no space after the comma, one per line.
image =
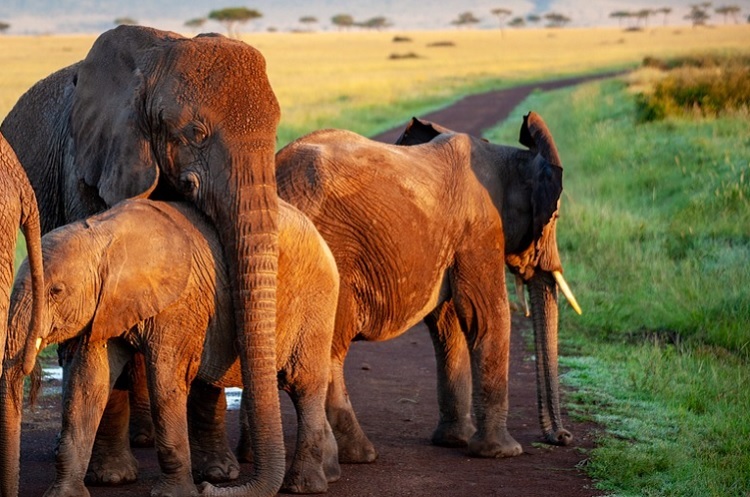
[150,113]
[18,208]
[423,232]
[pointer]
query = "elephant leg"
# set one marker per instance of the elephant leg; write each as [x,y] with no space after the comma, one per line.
[112,461]
[353,444]
[141,425]
[316,459]
[455,426]
[168,388]
[212,459]
[481,302]
[92,372]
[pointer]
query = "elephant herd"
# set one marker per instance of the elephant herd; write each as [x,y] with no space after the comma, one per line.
[181,255]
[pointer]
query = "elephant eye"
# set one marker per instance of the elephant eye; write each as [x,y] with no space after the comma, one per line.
[200,133]
[56,290]
[189,183]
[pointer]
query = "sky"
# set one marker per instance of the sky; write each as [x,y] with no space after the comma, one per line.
[95,16]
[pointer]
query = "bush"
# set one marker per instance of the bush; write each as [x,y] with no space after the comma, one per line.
[704,85]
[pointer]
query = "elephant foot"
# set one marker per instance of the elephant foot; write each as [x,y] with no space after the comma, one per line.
[355,450]
[67,490]
[216,466]
[560,437]
[107,469]
[172,488]
[305,479]
[505,446]
[453,434]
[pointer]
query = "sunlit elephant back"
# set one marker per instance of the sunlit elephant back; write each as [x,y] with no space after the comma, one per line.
[151,113]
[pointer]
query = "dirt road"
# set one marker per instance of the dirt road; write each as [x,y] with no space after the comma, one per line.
[392,387]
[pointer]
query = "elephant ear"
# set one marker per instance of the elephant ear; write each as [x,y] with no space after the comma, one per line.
[108,122]
[547,171]
[142,271]
[417,132]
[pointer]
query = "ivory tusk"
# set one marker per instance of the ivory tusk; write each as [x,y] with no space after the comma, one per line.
[566,291]
[521,296]
[38,343]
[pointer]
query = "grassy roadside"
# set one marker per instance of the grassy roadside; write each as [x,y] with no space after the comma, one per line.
[655,239]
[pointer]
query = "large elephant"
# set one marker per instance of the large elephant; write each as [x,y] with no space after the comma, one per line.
[150,113]
[165,293]
[422,232]
[18,208]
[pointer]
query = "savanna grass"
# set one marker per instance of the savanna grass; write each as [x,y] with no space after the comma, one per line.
[655,237]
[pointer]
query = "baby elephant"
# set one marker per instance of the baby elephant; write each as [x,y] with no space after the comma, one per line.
[150,277]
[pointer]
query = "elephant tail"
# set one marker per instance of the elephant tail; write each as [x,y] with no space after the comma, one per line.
[30,224]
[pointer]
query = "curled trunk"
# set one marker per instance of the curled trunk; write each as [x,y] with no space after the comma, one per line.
[543,291]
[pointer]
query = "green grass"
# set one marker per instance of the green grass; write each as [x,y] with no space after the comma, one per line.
[655,240]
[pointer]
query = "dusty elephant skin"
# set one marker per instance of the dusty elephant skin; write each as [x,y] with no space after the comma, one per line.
[17,208]
[165,293]
[423,232]
[151,113]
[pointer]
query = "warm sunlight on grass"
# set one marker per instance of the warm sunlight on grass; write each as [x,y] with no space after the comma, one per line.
[340,78]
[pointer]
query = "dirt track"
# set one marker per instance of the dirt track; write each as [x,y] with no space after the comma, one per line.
[392,387]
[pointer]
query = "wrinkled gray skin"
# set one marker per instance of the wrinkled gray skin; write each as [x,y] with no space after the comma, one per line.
[150,113]
[423,232]
[165,292]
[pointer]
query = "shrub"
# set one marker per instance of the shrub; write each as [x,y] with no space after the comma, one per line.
[706,85]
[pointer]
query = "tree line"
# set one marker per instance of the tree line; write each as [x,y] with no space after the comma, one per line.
[231,18]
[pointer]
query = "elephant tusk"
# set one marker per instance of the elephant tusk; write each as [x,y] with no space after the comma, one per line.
[38,343]
[566,291]
[521,296]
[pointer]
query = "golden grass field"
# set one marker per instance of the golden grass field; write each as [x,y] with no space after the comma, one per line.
[318,76]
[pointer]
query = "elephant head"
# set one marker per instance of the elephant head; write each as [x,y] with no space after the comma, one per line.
[155,114]
[525,187]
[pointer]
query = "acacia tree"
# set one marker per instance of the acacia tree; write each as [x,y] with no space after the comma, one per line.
[343,21]
[727,11]
[620,15]
[125,21]
[4,26]
[196,23]
[698,14]
[308,21]
[501,15]
[232,16]
[665,11]
[557,20]
[533,18]
[465,19]
[376,23]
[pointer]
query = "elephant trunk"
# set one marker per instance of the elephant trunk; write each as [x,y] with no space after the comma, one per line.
[543,291]
[251,246]
[11,402]
[11,386]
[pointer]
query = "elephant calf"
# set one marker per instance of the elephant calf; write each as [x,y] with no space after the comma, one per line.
[149,276]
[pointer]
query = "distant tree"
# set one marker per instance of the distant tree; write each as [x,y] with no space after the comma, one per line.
[643,15]
[196,23]
[665,11]
[308,21]
[232,16]
[343,21]
[376,23]
[556,20]
[517,22]
[128,21]
[501,15]
[465,19]
[620,15]
[4,26]
[533,18]
[698,15]
[729,10]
